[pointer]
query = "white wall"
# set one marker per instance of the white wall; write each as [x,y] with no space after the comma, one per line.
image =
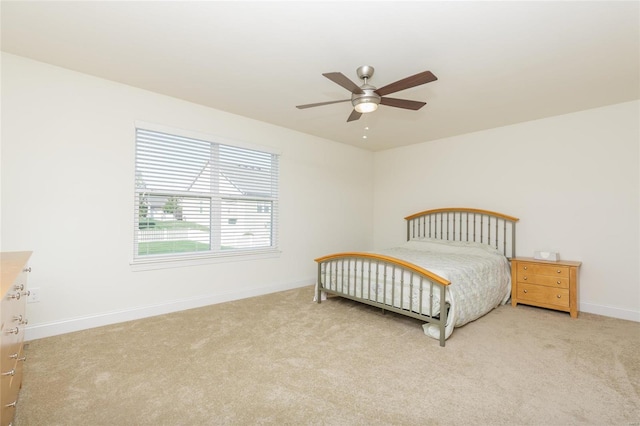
[573,180]
[67,194]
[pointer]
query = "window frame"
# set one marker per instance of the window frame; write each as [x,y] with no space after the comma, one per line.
[170,260]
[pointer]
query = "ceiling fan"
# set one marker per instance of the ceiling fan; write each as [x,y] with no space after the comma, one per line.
[366,98]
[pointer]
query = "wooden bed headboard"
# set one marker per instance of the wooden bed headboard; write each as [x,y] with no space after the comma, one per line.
[465,224]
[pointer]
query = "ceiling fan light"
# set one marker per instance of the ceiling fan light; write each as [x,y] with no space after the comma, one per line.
[366,105]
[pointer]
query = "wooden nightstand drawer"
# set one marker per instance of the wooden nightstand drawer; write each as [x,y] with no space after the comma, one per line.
[543,295]
[545,280]
[543,269]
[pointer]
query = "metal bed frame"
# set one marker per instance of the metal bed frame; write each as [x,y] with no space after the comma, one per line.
[374,270]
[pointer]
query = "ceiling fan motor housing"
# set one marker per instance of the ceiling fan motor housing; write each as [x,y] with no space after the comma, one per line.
[368,100]
[368,96]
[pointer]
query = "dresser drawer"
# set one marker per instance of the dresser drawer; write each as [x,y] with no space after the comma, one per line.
[543,295]
[546,280]
[16,383]
[542,269]
[7,392]
[9,353]
[12,305]
[12,331]
[10,382]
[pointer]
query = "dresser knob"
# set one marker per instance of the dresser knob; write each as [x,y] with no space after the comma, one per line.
[559,296]
[9,373]
[13,331]
[20,319]
[15,356]
[19,287]
[559,271]
[525,268]
[27,269]
[558,282]
[525,278]
[14,296]
[525,291]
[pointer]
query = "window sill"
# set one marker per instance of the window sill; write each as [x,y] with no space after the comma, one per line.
[166,262]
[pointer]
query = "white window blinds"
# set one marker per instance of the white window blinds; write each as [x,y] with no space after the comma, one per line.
[195,196]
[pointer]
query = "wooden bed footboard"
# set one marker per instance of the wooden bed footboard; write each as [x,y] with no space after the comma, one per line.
[385,282]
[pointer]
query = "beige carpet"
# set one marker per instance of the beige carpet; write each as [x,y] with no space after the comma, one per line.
[281,359]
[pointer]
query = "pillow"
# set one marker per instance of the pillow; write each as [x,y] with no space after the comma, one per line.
[444,246]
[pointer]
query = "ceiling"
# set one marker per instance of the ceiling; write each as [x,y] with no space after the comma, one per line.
[497,63]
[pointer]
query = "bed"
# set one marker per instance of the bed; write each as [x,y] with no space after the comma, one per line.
[456,255]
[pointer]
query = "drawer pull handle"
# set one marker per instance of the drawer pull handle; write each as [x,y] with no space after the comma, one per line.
[559,296]
[18,287]
[559,271]
[525,268]
[15,356]
[13,404]
[20,319]
[14,296]
[9,373]
[525,291]
[525,278]
[27,269]
[558,282]
[13,331]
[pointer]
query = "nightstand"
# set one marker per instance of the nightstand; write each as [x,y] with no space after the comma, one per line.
[552,285]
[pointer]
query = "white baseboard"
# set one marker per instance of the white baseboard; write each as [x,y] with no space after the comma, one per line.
[610,311]
[39,331]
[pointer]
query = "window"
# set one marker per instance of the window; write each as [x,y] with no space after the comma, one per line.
[198,198]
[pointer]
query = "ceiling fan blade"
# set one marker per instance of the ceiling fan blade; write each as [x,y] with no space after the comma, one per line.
[320,104]
[402,103]
[354,116]
[406,83]
[342,80]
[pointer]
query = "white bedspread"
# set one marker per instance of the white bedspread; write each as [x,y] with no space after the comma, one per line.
[479,274]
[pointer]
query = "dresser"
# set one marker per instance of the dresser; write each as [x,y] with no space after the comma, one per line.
[14,268]
[547,284]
